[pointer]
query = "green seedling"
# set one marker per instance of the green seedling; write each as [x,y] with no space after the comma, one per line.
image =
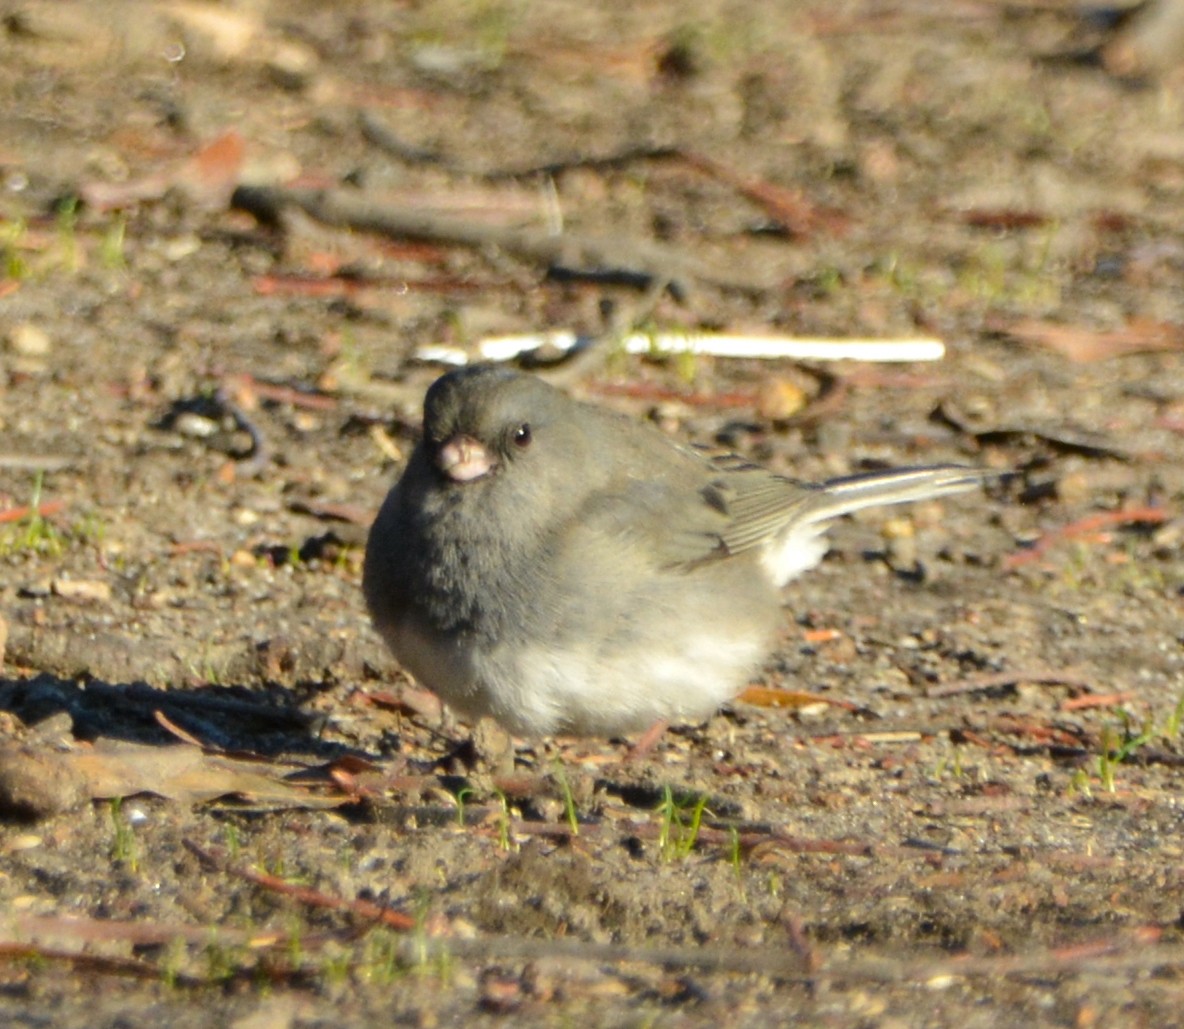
[223,961]
[1118,744]
[986,276]
[686,365]
[123,846]
[1171,727]
[1079,783]
[335,969]
[774,884]
[380,963]
[492,25]
[950,764]
[277,867]
[295,942]
[569,801]
[503,821]
[172,961]
[462,797]
[14,264]
[679,832]
[827,281]
[33,534]
[735,853]
[89,529]
[422,953]
[67,226]
[234,843]
[111,254]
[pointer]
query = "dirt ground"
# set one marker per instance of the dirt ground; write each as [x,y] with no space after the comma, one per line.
[225,803]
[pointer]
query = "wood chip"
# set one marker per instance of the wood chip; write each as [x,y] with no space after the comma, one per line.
[82,591]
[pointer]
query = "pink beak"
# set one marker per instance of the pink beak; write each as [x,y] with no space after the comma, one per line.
[463,459]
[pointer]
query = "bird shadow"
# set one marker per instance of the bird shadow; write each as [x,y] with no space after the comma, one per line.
[264,721]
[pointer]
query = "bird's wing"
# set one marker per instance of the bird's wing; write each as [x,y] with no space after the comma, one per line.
[760,506]
[696,510]
[709,508]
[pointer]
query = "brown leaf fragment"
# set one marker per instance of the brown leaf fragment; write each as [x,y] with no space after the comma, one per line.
[789,207]
[17,514]
[223,777]
[1092,529]
[766,696]
[1138,336]
[37,782]
[120,769]
[408,701]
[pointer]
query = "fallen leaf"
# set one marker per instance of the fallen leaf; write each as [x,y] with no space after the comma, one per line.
[1139,336]
[35,782]
[767,696]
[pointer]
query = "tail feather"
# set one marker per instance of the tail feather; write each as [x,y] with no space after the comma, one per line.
[802,543]
[851,493]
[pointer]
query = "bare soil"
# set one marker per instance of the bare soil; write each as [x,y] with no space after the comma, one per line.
[976,820]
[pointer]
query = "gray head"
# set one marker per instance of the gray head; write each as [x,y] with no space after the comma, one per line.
[484,420]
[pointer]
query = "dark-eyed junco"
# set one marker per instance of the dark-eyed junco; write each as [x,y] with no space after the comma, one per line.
[567,570]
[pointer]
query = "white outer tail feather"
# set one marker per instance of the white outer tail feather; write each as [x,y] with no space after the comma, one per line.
[803,545]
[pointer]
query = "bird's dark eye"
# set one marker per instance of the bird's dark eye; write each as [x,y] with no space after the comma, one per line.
[522,435]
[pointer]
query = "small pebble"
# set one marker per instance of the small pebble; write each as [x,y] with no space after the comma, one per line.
[29,340]
[85,591]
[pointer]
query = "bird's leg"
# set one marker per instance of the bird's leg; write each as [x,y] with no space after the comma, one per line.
[646,741]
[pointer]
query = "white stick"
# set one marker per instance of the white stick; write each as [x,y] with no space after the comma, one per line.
[503,348]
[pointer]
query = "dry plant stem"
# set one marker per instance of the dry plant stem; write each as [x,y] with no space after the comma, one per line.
[1085,528]
[640,260]
[141,933]
[996,680]
[126,967]
[306,895]
[36,462]
[385,139]
[790,207]
[282,394]
[19,514]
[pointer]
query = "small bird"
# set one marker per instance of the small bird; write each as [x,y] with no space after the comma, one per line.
[566,570]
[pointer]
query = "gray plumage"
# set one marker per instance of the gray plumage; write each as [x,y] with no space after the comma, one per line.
[564,569]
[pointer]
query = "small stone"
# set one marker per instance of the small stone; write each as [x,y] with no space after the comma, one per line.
[780,399]
[84,591]
[292,66]
[23,841]
[180,247]
[898,529]
[196,426]
[29,340]
[1075,488]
